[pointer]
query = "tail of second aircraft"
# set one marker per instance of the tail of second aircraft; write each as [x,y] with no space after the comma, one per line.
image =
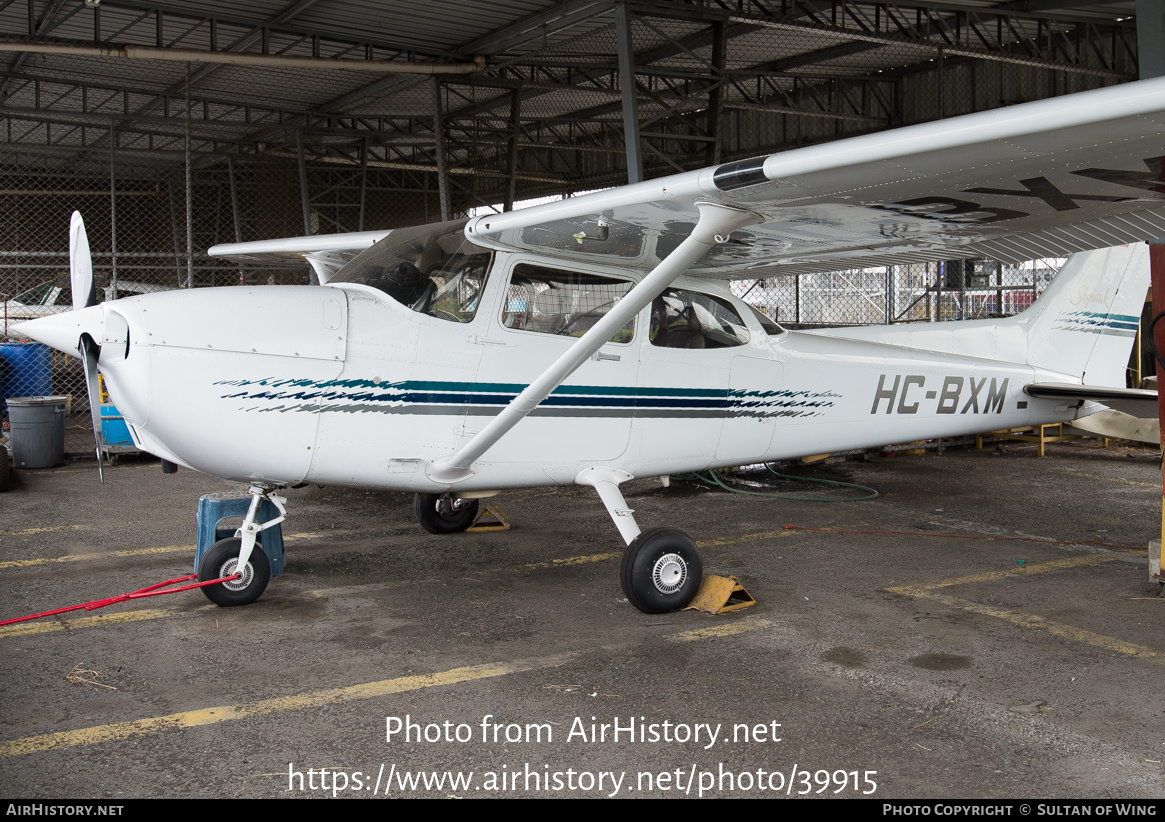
[1082,326]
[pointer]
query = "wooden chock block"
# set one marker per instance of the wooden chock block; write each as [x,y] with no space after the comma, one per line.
[719,595]
[490,518]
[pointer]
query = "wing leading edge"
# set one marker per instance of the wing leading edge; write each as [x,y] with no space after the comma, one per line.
[1047,178]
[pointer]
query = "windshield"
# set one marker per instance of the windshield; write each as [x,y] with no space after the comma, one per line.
[431,269]
[35,296]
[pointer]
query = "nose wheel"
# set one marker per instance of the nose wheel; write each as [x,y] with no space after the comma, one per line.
[661,570]
[222,560]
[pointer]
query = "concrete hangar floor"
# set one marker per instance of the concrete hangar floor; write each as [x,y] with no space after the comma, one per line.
[391,662]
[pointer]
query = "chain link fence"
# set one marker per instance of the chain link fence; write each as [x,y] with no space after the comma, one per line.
[927,292]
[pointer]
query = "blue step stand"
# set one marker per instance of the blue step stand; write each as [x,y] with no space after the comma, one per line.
[213,509]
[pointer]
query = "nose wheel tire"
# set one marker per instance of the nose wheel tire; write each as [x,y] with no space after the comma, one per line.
[222,560]
[661,570]
[444,513]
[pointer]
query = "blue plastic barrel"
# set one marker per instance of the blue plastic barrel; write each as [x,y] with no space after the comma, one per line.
[26,370]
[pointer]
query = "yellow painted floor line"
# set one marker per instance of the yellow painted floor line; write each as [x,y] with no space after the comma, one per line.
[728,629]
[296,702]
[136,552]
[47,627]
[581,560]
[48,529]
[712,543]
[313,699]
[1108,643]
[1019,570]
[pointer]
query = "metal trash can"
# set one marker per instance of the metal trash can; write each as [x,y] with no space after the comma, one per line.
[37,431]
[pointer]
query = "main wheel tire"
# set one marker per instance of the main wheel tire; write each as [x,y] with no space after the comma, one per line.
[440,514]
[661,570]
[221,560]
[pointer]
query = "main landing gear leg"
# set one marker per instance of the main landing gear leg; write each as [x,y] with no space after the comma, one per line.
[661,569]
[242,555]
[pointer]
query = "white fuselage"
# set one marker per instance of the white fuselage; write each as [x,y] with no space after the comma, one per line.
[343,385]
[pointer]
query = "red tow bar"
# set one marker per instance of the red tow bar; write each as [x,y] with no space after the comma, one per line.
[141,593]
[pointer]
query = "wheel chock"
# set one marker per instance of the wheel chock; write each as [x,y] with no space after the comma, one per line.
[491,518]
[719,595]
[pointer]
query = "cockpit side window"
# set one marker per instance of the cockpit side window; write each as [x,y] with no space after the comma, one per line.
[567,303]
[432,269]
[689,319]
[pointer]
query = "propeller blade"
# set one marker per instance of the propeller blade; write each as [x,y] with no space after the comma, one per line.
[89,353]
[80,264]
[84,296]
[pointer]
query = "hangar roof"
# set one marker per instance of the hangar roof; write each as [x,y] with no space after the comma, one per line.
[522,90]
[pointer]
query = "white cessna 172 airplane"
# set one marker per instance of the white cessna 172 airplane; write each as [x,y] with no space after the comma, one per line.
[589,341]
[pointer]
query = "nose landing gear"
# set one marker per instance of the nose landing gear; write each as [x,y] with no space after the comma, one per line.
[242,551]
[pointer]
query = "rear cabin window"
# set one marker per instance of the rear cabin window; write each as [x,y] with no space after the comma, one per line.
[766,322]
[564,303]
[689,319]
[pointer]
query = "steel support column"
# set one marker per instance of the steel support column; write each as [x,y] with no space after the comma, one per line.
[515,128]
[716,96]
[189,192]
[305,200]
[363,182]
[1157,278]
[112,294]
[442,160]
[235,214]
[626,49]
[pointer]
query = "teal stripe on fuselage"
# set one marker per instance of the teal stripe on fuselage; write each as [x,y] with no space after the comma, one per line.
[482,399]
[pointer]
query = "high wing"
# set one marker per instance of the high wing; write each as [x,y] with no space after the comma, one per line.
[326,253]
[1039,179]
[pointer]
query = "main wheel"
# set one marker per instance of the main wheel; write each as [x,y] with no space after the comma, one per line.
[221,560]
[444,513]
[661,570]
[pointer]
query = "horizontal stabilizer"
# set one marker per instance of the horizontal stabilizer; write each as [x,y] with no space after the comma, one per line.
[1135,401]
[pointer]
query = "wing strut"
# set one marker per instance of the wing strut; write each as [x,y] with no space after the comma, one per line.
[716,222]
